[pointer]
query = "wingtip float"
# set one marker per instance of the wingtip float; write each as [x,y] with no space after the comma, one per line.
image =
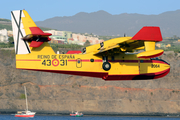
[109,60]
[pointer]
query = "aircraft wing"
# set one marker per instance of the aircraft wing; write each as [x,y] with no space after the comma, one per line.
[144,39]
[101,50]
[123,44]
[37,37]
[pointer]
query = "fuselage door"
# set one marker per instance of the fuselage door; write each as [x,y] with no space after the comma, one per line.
[78,63]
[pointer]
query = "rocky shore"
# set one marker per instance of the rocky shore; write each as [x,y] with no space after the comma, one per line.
[51,93]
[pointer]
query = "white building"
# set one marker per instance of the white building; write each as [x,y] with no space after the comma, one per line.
[55,32]
[82,39]
[3,35]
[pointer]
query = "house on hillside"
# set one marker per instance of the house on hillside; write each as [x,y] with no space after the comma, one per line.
[82,39]
[67,37]
[61,36]
[58,39]
[162,45]
[54,32]
[3,35]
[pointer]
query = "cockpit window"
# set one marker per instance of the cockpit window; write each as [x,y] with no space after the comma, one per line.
[155,58]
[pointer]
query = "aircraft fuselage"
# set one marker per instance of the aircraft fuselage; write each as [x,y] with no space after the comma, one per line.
[122,66]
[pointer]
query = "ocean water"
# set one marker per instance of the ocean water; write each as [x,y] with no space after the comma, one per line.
[38,117]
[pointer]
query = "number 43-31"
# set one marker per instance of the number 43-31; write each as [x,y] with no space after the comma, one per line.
[49,63]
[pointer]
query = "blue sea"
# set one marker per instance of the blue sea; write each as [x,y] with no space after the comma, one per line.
[38,117]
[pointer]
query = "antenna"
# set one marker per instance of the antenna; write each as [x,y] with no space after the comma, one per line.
[26,98]
[124,34]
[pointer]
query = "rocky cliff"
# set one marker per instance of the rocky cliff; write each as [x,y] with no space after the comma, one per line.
[59,93]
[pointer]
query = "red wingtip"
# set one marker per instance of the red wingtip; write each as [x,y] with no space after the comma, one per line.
[150,33]
[35,44]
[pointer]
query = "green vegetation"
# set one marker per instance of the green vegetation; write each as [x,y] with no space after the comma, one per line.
[8,27]
[22,96]
[173,41]
[56,47]
[175,91]
[174,38]
[7,20]
[7,45]
[174,47]
[4,45]
[10,39]
[45,29]
[87,43]
[107,37]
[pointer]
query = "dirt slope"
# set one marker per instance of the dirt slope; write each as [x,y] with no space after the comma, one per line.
[59,93]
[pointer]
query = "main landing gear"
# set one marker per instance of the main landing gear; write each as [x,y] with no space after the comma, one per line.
[106,65]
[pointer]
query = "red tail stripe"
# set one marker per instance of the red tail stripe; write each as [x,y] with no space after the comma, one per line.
[128,61]
[27,60]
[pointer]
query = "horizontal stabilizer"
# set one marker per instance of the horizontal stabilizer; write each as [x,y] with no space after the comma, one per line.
[35,44]
[150,54]
[38,31]
[30,36]
[37,37]
[148,33]
[42,34]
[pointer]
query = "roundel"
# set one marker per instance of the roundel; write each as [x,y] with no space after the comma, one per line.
[55,62]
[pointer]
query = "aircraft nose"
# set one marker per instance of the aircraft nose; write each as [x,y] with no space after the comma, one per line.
[165,69]
[166,65]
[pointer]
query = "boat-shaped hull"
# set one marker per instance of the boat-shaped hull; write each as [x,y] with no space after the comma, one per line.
[24,115]
[76,115]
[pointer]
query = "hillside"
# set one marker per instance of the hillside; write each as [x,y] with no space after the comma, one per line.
[59,93]
[103,23]
[5,24]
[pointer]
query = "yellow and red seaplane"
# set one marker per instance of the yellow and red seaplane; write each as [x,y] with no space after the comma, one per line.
[114,59]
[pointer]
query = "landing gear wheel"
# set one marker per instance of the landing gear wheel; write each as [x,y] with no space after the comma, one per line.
[106,66]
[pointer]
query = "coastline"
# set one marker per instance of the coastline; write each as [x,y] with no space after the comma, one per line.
[86,113]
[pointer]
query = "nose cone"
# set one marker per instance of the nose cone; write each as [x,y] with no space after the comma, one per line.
[165,70]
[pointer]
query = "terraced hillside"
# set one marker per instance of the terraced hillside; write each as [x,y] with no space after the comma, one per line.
[59,93]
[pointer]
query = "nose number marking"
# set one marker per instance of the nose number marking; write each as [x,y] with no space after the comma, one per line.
[155,66]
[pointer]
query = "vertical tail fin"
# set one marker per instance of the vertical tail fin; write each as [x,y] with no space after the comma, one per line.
[21,47]
[150,35]
[28,38]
